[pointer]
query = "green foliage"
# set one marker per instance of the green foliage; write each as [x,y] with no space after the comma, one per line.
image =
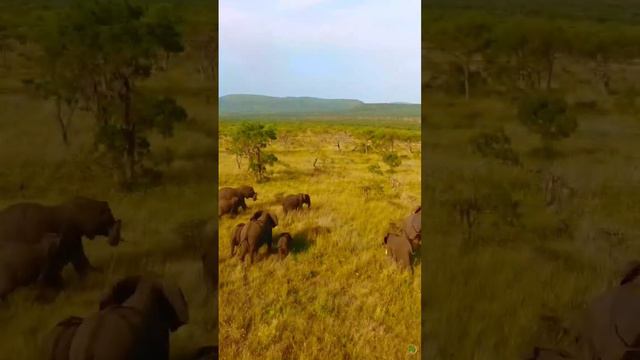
[391,159]
[97,52]
[249,140]
[496,145]
[548,116]
[375,169]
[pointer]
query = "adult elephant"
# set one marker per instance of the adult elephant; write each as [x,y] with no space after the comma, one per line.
[399,249]
[209,261]
[611,328]
[257,232]
[236,238]
[295,202]
[59,339]
[72,220]
[229,206]
[133,323]
[412,227]
[242,192]
[22,264]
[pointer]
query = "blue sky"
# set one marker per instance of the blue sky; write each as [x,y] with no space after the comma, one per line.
[357,49]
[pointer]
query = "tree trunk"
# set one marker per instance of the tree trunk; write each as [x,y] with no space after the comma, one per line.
[550,66]
[130,132]
[466,79]
[60,118]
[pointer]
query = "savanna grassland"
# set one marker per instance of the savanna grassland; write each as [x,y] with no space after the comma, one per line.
[161,218]
[337,295]
[523,231]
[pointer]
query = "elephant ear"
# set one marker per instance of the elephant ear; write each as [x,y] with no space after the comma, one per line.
[274,219]
[633,270]
[256,215]
[174,306]
[120,292]
[625,314]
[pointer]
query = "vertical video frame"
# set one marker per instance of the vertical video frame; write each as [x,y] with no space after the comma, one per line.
[320,180]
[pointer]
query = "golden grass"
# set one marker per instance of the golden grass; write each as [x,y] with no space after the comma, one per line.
[336,296]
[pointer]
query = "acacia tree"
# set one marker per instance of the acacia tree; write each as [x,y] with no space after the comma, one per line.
[547,115]
[249,141]
[464,38]
[530,48]
[108,47]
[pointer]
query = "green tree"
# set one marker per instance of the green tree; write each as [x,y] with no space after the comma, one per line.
[392,160]
[548,116]
[249,140]
[465,38]
[496,145]
[108,48]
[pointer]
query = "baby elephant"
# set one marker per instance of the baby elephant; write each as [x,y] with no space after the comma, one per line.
[295,202]
[399,249]
[22,263]
[284,244]
[235,238]
[228,206]
[133,323]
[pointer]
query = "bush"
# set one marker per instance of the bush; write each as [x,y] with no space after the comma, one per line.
[548,116]
[496,145]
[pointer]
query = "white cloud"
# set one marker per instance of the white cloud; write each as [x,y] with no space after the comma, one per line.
[299,4]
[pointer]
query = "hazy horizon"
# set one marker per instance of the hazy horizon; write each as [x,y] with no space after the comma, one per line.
[323,98]
[367,50]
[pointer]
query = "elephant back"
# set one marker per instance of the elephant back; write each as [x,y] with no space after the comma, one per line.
[26,222]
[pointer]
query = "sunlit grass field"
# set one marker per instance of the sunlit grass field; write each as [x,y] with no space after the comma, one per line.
[337,295]
[161,225]
[510,288]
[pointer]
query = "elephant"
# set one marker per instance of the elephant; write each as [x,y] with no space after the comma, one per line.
[235,238]
[209,261]
[28,222]
[294,202]
[22,263]
[611,327]
[228,206]
[59,339]
[256,233]
[242,192]
[412,227]
[284,244]
[399,249]
[134,321]
[548,354]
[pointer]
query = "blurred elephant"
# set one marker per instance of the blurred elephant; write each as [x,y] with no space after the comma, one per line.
[209,263]
[59,339]
[548,354]
[72,220]
[242,192]
[412,227]
[23,263]
[294,202]
[256,233]
[399,249]
[133,323]
[611,328]
[228,206]
[235,238]
[284,244]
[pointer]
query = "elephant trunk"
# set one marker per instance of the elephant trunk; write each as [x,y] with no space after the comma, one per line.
[114,233]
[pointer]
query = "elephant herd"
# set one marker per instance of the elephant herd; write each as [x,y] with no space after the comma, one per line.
[610,325]
[135,317]
[250,236]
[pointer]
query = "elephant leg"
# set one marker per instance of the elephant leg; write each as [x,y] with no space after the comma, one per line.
[243,252]
[252,250]
[80,261]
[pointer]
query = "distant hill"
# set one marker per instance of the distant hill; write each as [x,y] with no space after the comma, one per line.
[242,105]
